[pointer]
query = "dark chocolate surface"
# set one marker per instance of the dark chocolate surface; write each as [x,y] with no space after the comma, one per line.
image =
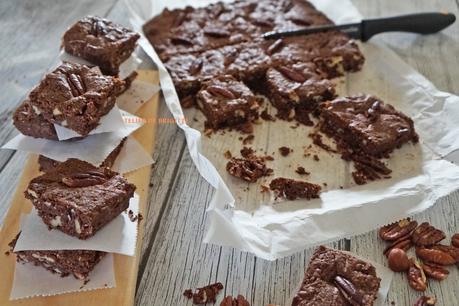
[30,122]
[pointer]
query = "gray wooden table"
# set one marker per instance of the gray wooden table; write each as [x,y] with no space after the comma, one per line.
[173,257]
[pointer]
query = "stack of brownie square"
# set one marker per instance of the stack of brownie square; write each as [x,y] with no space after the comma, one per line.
[74,196]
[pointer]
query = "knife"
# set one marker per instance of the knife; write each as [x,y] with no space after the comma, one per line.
[422,23]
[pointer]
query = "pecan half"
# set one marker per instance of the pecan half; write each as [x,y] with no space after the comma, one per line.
[292,74]
[416,277]
[397,230]
[217,90]
[425,301]
[230,301]
[348,291]
[196,66]
[455,240]
[179,40]
[425,234]
[436,255]
[275,46]
[89,178]
[434,271]
[217,33]
[76,84]
[404,243]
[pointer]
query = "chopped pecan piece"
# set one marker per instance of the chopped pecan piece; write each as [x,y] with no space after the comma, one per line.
[434,271]
[195,66]
[178,40]
[416,277]
[348,290]
[276,46]
[230,301]
[397,230]
[425,235]
[292,74]
[425,301]
[218,33]
[220,91]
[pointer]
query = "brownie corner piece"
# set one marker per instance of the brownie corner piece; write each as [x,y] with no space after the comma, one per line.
[30,122]
[291,189]
[227,102]
[78,263]
[79,198]
[75,96]
[101,42]
[334,277]
[367,124]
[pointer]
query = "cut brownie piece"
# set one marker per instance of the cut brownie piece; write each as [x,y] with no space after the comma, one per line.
[75,96]
[79,198]
[366,124]
[337,278]
[293,189]
[249,168]
[101,42]
[30,122]
[296,88]
[227,102]
[47,164]
[79,263]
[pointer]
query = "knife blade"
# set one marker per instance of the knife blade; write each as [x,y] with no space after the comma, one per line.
[422,23]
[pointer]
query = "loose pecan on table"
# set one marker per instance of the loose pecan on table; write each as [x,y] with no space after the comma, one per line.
[348,291]
[438,254]
[416,277]
[397,230]
[230,301]
[425,301]
[425,235]
[404,243]
[455,240]
[434,271]
[398,260]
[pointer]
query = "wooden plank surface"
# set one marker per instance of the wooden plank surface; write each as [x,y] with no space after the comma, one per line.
[173,257]
[126,267]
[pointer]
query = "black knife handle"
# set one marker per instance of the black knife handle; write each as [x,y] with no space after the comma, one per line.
[423,23]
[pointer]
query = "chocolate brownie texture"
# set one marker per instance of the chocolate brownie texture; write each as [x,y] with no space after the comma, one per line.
[335,278]
[227,102]
[75,96]
[47,164]
[101,42]
[292,189]
[78,263]
[78,198]
[249,168]
[30,122]
[367,124]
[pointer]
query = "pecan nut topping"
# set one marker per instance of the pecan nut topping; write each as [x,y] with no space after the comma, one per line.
[179,40]
[425,235]
[292,74]
[76,84]
[455,240]
[403,243]
[89,178]
[196,66]
[348,291]
[230,301]
[263,23]
[425,301]
[217,33]
[275,46]
[397,230]
[436,254]
[416,276]
[434,271]
[221,91]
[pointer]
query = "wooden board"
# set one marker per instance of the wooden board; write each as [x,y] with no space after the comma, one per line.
[126,267]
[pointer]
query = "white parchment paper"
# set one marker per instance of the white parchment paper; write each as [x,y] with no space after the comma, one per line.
[118,236]
[240,216]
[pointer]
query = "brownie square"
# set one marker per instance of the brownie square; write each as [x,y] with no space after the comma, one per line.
[101,42]
[75,96]
[295,87]
[79,263]
[79,198]
[366,124]
[47,164]
[227,102]
[30,122]
[336,278]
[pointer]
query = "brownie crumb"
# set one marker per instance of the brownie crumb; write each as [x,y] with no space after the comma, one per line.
[316,158]
[284,151]
[293,189]
[302,171]
[140,217]
[247,152]
[317,140]
[133,217]
[151,184]
[86,281]
[227,154]
[230,301]
[188,102]
[205,294]
[266,116]
[7,253]
[248,139]
[264,188]
[325,184]
[249,169]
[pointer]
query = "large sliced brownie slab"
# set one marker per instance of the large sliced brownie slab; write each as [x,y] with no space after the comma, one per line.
[335,278]
[79,198]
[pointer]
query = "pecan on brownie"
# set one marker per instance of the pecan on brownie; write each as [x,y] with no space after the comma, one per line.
[79,198]
[75,96]
[337,278]
[30,122]
[101,42]
[227,102]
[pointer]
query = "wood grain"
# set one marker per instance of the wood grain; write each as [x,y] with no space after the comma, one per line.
[126,267]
